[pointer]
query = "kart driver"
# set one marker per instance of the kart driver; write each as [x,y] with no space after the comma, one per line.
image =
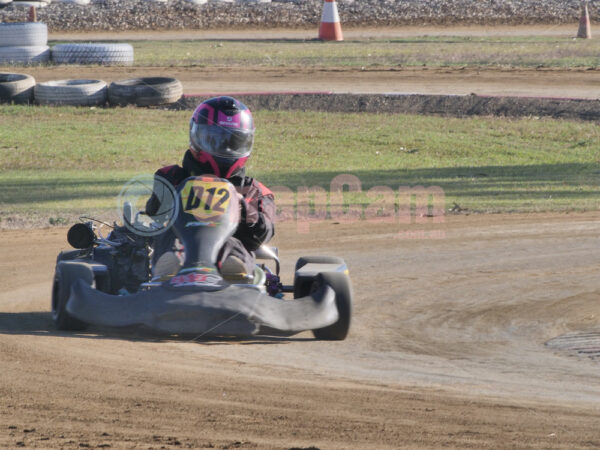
[221,139]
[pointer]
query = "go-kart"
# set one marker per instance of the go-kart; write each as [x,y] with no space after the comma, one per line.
[108,282]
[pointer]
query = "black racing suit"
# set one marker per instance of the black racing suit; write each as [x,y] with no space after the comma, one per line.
[256,220]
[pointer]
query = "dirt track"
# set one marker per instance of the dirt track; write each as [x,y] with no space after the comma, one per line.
[575,83]
[447,349]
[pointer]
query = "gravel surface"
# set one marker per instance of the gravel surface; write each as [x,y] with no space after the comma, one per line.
[179,14]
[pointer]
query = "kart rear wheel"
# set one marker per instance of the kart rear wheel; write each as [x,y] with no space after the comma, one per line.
[340,283]
[67,255]
[66,274]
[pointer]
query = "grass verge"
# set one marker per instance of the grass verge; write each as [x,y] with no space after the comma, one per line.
[412,51]
[60,162]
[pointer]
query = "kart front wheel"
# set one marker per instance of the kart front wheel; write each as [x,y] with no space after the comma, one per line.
[340,283]
[304,260]
[303,284]
[66,274]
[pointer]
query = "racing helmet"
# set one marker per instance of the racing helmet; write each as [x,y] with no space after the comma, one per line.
[222,134]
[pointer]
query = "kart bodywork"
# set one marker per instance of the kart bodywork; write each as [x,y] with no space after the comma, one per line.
[107,282]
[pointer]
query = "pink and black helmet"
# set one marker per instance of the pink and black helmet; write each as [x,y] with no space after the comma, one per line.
[222,134]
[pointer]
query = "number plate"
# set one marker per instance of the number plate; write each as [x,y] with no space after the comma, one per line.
[207,199]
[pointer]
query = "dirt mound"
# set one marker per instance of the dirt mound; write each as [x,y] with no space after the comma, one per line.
[443,105]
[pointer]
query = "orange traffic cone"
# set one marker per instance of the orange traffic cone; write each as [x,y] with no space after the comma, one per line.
[330,29]
[585,30]
[32,16]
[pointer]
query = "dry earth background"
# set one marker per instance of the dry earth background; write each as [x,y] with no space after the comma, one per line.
[447,347]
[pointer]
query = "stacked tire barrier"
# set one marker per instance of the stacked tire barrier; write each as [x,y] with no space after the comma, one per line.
[16,88]
[150,91]
[75,2]
[29,3]
[146,91]
[103,54]
[71,92]
[24,43]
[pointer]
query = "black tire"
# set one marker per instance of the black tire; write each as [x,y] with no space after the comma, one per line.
[75,2]
[148,91]
[304,260]
[23,34]
[340,283]
[71,92]
[16,88]
[303,285]
[24,54]
[66,274]
[68,255]
[103,54]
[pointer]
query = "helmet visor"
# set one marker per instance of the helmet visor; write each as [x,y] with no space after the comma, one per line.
[222,141]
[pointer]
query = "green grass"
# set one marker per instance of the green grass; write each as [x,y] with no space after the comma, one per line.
[416,51]
[58,162]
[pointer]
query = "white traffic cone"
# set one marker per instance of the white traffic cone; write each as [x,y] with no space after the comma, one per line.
[585,30]
[330,29]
